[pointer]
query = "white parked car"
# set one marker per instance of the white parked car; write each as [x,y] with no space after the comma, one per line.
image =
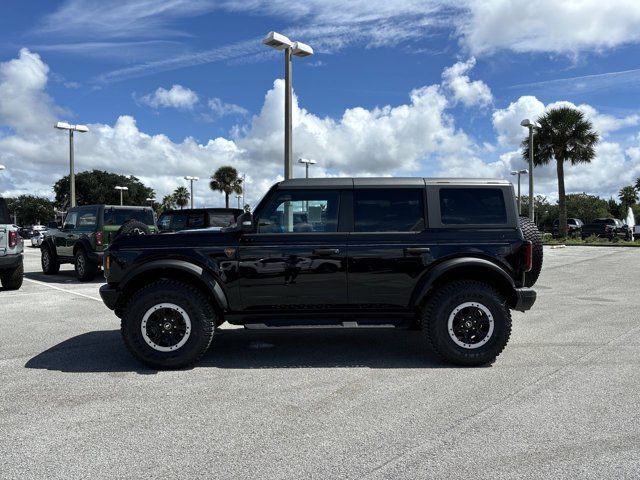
[37,238]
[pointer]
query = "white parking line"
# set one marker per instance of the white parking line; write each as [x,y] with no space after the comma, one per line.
[63,289]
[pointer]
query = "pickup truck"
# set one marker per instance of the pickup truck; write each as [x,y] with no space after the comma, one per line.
[606,227]
[11,247]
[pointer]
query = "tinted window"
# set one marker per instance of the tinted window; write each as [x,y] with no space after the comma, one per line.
[604,221]
[164,222]
[388,210]
[301,211]
[86,218]
[196,220]
[179,221]
[474,206]
[221,219]
[70,220]
[118,216]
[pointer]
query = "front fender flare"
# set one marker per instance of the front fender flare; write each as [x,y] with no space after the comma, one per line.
[197,272]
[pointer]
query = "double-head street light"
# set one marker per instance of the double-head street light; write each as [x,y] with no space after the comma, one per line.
[72,175]
[518,173]
[306,162]
[122,189]
[298,49]
[531,126]
[191,179]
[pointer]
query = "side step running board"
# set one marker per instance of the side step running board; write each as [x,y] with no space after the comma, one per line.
[262,326]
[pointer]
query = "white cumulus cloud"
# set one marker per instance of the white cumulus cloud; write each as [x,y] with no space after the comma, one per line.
[177,96]
[464,90]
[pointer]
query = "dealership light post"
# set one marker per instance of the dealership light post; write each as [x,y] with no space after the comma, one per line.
[298,49]
[192,179]
[151,200]
[72,175]
[518,173]
[239,197]
[122,189]
[306,162]
[531,126]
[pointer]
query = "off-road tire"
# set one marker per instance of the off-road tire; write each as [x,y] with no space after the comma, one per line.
[49,261]
[530,232]
[132,227]
[441,306]
[199,309]
[11,278]
[86,270]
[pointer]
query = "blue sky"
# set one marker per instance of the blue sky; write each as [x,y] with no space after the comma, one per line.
[146,75]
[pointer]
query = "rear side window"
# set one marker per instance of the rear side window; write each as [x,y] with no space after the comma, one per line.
[118,216]
[388,210]
[196,220]
[473,206]
[221,219]
[86,218]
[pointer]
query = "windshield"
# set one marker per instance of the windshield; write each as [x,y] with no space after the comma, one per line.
[119,216]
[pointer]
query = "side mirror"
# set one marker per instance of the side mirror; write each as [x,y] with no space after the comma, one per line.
[245,222]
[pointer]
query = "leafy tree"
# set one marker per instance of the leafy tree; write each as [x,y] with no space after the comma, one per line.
[545,212]
[30,209]
[565,135]
[586,207]
[97,186]
[181,197]
[613,208]
[226,180]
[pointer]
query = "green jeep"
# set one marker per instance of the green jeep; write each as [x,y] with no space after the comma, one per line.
[86,234]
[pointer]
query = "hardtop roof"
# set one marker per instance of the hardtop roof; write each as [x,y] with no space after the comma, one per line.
[355,182]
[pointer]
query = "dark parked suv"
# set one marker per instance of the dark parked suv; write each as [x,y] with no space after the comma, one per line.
[450,257]
[86,234]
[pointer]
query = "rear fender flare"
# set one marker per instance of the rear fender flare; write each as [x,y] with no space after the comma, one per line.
[464,267]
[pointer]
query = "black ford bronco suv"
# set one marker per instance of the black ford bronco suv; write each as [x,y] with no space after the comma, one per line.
[87,232]
[447,256]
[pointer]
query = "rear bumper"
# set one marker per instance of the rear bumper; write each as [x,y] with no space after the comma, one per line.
[525,298]
[109,295]
[10,261]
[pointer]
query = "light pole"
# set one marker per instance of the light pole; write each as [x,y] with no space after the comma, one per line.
[518,173]
[122,189]
[531,126]
[306,162]
[298,49]
[239,197]
[192,179]
[72,175]
[151,200]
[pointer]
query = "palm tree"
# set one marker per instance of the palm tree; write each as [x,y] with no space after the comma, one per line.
[168,202]
[226,180]
[628,196]
[565,135]
[181,196]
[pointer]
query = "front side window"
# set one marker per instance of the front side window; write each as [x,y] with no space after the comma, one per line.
[301,211]
[196,220]
[70,221]
[472,206]
[388,210]
[217,219]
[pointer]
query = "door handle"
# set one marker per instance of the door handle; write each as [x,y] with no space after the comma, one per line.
[326,251]
[416,250]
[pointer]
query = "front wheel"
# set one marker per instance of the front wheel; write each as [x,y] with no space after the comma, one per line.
[49,262]
[168,324]
[467,323]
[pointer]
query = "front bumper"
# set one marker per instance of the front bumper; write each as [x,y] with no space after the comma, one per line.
[10,261]
[109,295]
[525,298]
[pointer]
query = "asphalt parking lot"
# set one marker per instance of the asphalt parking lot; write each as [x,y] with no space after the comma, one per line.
[561,401]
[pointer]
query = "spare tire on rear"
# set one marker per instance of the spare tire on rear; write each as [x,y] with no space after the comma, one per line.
[530,232]
[132,227]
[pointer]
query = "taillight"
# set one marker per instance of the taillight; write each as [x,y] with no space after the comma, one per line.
[13,239]
[527,253]
[99,239]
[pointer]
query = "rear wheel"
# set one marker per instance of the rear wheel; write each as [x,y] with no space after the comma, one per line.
[86,270]
[12,278]
[49,262]
[530,232]
[168,324]
[467,323]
